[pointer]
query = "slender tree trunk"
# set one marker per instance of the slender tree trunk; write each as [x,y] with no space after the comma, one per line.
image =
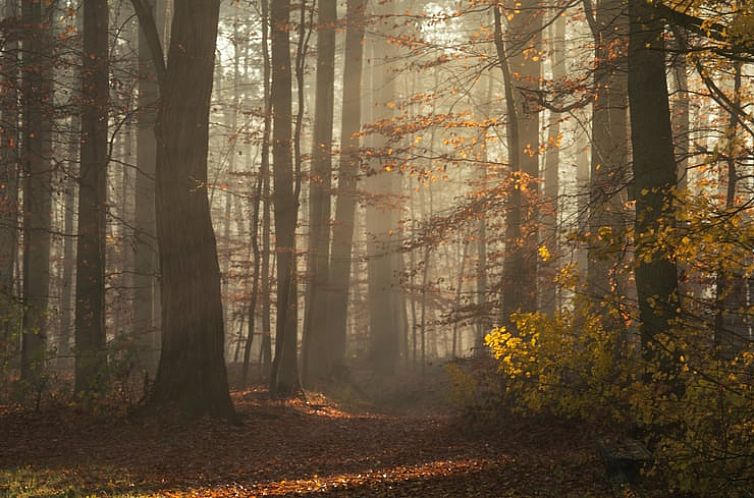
[191,375]
[317,361]
[654,175]
[382,217]
[69,244]
[265,352]
[284,379]
[459,294]
[520,266]
[145,247]
[36,98]
[339,279]
[91,340]
[730,289]
[548,294]
[609,151]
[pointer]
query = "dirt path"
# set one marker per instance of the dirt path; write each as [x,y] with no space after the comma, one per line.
[292,449]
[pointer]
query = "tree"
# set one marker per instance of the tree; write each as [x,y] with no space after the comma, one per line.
[91,340]
[285,367]
[654,174]
[522,58]
[338,282]
[9,164]
[191,375]
[145,249]
[548,290]
[609,148]
[36,137]
[317,344]
[383,258]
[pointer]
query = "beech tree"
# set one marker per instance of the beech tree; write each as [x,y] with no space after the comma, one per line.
[36,137]
[91,354]
[191,374]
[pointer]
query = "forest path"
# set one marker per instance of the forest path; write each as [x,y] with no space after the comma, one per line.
[292,448]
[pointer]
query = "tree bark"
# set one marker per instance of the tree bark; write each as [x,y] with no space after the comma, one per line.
[654,175]
[36,101]
[10,163]
[524,66]
[265,352]
[91,339]
[317,360]
[284,379]
[145,247]
[548,292]
[191,375]
[339,279]
[382,216]
[609,152]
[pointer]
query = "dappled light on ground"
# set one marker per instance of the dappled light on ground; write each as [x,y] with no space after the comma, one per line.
[294,447]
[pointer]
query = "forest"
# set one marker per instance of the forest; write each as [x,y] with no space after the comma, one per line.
[365,248]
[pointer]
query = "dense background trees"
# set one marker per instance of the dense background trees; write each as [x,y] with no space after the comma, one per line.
[388,182]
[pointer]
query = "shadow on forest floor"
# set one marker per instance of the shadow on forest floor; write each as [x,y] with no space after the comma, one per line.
[291,448]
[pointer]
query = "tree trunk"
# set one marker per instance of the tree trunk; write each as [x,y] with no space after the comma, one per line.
[265,352]
[191,375]
[69,244]
[548,294]
[36,96]
[654,175]
[382,217]
[339,279]
[520,266]
[91,339]
[609,152]
[317,361]
[145,247]
[9,170]
[284,379]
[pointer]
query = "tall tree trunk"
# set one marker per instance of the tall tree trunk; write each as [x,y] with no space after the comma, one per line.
[91,340]
[548,295]
[9,170]
[265,352]
[69,244]
[191,375]
[382,218]
[145,247]
[654,175]
[36,95]
[519,292]
[609,151]
[284,379]
[339,279]
[317,360]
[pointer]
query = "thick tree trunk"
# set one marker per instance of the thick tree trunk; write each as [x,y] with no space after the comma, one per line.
[36,95]
[654,174]
[317,361]
[9,171]
[284,379]
[339,279]
[191,375]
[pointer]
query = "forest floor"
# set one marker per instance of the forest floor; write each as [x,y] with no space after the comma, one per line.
[292,448]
